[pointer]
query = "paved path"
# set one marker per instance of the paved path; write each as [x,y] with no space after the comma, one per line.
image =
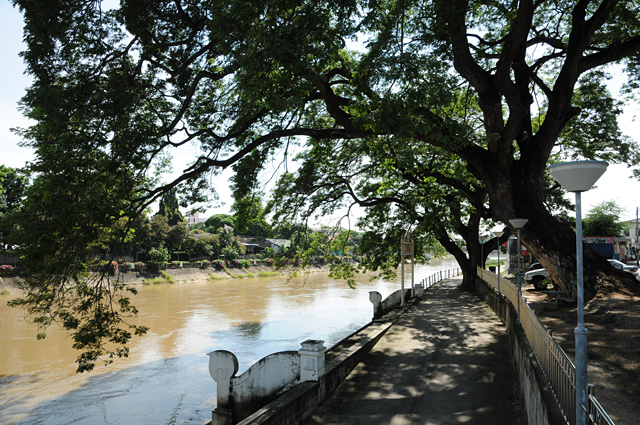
[445,361]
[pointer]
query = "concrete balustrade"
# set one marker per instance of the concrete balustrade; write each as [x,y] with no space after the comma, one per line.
[240,396]
[382,307]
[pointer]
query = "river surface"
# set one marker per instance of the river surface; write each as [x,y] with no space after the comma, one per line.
[165,379]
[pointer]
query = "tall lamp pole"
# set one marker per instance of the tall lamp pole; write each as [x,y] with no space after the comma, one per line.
[578,177]
[519,223]
[497,234]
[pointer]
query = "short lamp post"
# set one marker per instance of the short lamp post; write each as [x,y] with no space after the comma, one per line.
[497,234]
[578,177]
[519,223]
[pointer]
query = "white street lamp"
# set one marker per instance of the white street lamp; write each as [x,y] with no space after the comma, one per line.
[519,223]
[497,234]
[578,177]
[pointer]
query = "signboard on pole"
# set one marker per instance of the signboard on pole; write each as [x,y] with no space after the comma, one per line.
[407,248]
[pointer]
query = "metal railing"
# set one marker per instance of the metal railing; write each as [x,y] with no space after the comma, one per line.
[595,413]
[556,365]
[429,281]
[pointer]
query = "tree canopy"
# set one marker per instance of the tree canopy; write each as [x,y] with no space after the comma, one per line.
[12,188]
[13,185]
[603,220]
[169,208]
[217,221]
[468,101]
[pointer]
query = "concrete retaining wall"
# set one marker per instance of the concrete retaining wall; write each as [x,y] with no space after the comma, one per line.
[538,405]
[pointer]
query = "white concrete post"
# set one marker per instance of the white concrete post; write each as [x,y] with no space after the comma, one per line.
[223,365]
[311,360]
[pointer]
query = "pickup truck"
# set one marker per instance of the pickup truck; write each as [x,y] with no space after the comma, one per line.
[536,276]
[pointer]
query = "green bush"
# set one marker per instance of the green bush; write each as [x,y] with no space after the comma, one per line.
[219,264]
[158,259]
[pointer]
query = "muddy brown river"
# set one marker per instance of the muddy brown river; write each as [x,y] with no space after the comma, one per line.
[165,380]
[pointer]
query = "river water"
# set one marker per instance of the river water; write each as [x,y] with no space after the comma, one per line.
[165,379]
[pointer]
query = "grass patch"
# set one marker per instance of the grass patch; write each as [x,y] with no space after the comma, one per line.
[494,263]
[234,275]
[166,278]
[216,277]
[153,281]
[4,292]
[267,274]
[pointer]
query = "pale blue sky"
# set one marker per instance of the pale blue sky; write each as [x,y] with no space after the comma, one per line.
[615,185]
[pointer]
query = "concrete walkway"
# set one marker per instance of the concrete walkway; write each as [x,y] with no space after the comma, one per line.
[445,361]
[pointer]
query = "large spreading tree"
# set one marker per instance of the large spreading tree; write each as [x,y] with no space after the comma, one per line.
[116,90]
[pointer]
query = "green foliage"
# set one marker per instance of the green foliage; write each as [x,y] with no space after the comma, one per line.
[603,220]
[269,252]
[207,246]
[249,217]
[230,248]
[218,221]
[169,208]
[12,189]
[158,259]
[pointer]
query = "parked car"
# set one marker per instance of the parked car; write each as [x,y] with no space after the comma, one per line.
[536,276]
[622,266]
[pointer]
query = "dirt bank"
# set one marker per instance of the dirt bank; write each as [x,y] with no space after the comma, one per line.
[613,322]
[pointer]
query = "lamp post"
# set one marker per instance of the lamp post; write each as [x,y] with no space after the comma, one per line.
[519,223]
[497,234]
[482,252]
[578,177]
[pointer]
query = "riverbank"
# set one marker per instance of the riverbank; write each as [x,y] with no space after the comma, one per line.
[184,275]
[10,286]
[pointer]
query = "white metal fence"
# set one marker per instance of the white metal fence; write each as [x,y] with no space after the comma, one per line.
[558,368]
[429,281]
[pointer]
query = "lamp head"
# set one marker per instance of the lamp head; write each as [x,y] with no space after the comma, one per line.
[518,223]
[578,176]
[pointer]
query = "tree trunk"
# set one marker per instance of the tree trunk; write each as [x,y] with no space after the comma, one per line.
[468,264]
[551,242]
